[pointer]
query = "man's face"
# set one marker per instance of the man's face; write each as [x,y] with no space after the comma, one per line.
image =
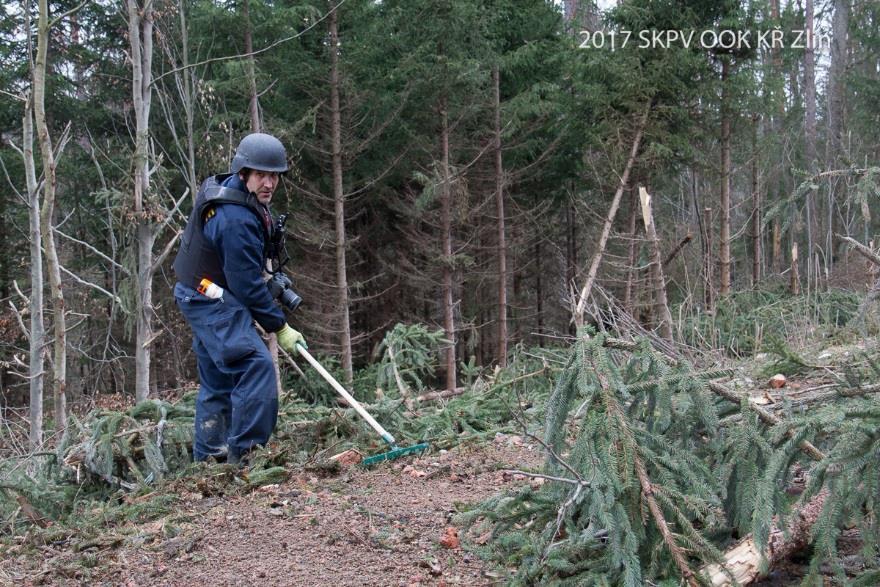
[263,184]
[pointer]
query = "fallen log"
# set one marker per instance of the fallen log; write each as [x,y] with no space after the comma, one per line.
[743,562]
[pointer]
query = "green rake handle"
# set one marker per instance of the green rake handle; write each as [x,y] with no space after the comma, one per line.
[347,396]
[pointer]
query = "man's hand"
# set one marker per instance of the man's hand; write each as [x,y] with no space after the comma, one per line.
[288,338]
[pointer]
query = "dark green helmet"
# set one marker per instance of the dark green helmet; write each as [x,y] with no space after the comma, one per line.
[260,151]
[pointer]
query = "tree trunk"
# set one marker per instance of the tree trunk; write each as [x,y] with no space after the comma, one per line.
[539,291]
[609,220]
[661,306]
[628,293]
[249,69]
[836,150]
[708,265]
[794,285]
[499,210]
[756,209]
[446,235]
[37,333]
[778,118]
[339,203]
[743,561]
[140,31]
[810,125]
[724,236]
[46,213]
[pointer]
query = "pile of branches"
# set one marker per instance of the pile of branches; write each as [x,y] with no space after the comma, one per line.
[644,482]
[125,452]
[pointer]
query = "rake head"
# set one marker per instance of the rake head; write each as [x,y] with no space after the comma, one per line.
[394,453]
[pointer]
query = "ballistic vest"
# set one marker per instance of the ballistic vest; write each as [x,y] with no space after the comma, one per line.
[197,258]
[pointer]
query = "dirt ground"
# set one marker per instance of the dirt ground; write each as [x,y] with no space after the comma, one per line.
[389,525]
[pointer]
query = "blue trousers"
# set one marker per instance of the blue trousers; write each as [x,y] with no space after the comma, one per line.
[237,406]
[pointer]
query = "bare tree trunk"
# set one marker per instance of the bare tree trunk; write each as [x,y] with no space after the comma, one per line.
[708,265]
[499,210]
[835,148]
[37,328]
[249,69]
[724,236]
[140,31]
[339,202]
[661,306]
[794,285]
[810,125]
[539,290]
[48,208]
[756,208]
[446,230]
[778,182]
[628,303]
[578,310]
[571,247]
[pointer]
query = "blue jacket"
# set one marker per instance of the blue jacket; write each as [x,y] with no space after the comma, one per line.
[239,239]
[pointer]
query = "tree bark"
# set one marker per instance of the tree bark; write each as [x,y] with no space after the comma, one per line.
[810,125]
[756,208]
[46,213]
[499,210]
[661,306]
[628,292]
[778,179]
[708,265]
[446,235]
[743,561]
[339,203]
[37,328]
[724,235]
[835,148]
[140,31]
[609,220]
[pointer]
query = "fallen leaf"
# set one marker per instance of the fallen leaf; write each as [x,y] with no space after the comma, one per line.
[450,539]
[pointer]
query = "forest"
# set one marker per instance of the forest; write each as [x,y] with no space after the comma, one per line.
[637,237]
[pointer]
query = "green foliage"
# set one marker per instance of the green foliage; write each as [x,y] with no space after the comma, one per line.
[745,321]
[610,415]
[849,478]
[409,357]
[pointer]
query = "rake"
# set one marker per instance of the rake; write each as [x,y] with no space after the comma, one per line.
[396,452]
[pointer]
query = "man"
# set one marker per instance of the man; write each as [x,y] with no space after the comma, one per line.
[221,291]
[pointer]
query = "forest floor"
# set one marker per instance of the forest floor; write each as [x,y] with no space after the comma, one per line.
[389,525]
[393,524]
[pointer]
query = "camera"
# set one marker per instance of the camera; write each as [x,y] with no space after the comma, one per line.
[281,288]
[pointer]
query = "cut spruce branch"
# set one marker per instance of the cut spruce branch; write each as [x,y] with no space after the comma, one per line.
[675,550]
[720,390]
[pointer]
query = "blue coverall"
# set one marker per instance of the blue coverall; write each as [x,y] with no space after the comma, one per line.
[237,405]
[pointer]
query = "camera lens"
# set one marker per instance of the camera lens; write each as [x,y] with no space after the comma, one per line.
[290,299]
